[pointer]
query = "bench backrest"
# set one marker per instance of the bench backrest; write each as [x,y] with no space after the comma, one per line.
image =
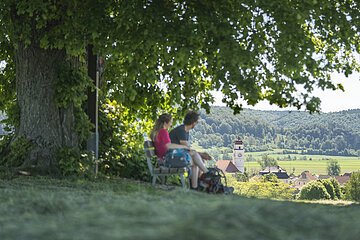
[149,153]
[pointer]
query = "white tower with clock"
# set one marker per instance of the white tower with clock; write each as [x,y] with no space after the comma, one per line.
[238,155]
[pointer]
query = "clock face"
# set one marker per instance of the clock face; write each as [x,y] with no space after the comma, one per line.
[239,155]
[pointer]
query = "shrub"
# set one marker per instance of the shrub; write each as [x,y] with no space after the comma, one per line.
[73,162]
[121,142]
[270,177]
[242,177]
[352,188]
[314,191]
[261,189]
[337,188]
[13,151]
[329,188]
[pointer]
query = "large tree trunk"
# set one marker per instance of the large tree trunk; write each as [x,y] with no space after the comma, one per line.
[41,121]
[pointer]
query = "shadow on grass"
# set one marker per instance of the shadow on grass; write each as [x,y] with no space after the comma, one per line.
[43,208]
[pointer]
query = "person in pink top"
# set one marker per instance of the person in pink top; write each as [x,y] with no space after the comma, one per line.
[160,136]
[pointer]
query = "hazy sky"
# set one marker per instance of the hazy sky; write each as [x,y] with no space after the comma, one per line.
[331,101]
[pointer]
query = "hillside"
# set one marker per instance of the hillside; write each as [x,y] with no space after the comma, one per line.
[39,208]
[335,133]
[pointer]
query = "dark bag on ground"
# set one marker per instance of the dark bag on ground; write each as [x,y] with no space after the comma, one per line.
[177,158]
[211,182]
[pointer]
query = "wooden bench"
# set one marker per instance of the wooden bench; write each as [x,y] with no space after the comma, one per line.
[160,171]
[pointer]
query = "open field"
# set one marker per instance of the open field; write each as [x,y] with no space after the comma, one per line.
[279,155]
[314,166]
[40,208]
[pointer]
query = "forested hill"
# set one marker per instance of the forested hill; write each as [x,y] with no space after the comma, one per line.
[335,133]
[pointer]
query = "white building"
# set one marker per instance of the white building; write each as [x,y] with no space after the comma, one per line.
[238,155]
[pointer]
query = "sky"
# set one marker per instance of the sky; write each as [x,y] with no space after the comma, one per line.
[331,101]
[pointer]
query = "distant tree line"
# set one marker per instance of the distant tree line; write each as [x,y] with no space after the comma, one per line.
[296,132]
[336,134]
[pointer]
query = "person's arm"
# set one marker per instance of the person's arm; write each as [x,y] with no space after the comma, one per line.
[174,145]
[205,155]
[185,143]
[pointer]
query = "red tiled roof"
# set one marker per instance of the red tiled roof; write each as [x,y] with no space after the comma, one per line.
[307,175]
[227,166]
[342,179]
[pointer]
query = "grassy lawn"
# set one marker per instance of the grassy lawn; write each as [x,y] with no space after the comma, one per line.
[40,208]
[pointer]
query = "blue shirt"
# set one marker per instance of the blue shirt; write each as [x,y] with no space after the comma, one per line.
[179,134]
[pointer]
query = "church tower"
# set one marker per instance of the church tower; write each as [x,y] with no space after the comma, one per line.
[238,155]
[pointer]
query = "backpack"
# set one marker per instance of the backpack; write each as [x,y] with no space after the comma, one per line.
[210,182]
[177,158]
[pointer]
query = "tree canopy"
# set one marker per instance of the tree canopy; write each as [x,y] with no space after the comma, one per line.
[168,55]
[333,168]
[175,52]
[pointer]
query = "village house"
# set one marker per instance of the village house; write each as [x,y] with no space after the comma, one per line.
[227,166]
[341,179]
[280,173]
[304,178]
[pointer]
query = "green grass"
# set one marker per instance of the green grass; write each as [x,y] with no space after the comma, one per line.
[40,208]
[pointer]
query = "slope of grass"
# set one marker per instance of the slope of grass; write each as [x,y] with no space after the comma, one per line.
[39,208]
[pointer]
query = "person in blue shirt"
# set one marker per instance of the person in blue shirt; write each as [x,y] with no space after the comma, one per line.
[180,135]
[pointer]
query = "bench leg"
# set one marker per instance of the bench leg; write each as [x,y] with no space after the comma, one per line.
[153,180]
[182,179]
[163,180]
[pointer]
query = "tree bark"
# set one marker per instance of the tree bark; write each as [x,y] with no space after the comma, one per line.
[42,122]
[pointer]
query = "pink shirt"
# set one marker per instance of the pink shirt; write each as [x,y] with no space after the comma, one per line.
[160,142]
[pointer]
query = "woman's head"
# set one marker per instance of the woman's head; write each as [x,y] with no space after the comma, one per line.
[164,120]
